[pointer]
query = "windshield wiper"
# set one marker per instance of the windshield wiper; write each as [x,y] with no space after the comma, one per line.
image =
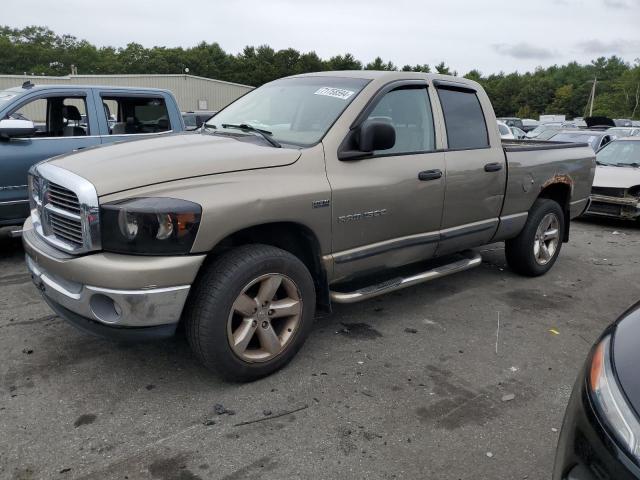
[632,164]
[266,134]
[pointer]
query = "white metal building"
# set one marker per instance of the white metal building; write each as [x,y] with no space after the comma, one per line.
[192,93]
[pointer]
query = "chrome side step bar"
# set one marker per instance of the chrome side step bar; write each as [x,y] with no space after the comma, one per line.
[472,259]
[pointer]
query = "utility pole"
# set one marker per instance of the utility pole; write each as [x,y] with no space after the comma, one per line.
[592,97]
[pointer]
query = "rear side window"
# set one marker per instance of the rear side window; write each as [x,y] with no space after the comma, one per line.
[135,115]
[464,119]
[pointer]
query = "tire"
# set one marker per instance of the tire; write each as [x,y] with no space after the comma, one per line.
[234,337]
[525,254]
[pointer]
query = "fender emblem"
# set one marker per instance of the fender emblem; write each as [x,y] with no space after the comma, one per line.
[320,203]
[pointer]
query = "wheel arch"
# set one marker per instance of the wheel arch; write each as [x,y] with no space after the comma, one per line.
[293,237]
[560,192]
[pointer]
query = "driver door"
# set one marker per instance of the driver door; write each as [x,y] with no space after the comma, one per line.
[386,209]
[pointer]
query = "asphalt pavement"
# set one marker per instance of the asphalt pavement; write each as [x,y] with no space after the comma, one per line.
[415,384]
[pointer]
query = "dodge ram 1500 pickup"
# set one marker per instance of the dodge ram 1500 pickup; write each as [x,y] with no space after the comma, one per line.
[314,189]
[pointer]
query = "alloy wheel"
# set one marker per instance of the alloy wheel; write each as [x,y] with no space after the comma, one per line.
[547,239]
[264,318]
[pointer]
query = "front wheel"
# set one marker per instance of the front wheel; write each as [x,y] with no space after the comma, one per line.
[534,251]
[250,312]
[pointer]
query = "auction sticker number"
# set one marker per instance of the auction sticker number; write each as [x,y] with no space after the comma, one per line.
[334,92]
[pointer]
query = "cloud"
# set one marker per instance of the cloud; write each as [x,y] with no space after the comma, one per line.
[595,47]
[622,3]
[524,50]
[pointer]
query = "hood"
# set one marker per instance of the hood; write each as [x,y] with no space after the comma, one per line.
[137,163]
[616,177]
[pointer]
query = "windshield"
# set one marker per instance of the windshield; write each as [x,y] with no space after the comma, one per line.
[504,130]
[6,96]
[620,153]
[592,140]
[297,111]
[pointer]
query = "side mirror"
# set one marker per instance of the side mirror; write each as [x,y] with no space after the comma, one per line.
[376,135]
[10,128]
[372,135]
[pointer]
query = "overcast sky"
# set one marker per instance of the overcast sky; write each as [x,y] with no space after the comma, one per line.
[489,35]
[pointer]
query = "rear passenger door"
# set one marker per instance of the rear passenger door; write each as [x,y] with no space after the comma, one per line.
[126,116]
[476,169]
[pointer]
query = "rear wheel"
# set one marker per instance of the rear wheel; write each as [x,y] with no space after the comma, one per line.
[250,312]
[536,249]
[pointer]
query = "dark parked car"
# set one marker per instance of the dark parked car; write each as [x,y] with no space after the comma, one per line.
[194,120]
[600,437]
[595,138]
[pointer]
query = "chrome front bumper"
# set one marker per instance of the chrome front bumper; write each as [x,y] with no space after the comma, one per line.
[114,308]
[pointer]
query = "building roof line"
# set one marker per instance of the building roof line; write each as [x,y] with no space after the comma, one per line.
[134,75]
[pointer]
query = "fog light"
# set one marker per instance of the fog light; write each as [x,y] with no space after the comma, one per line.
[105,309]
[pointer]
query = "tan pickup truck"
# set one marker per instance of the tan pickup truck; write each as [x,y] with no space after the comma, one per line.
[310,190]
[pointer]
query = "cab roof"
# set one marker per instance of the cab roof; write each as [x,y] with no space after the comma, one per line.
[389,76]
[50,86]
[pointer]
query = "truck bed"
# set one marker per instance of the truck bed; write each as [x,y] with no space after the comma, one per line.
[532,164]
[527,145]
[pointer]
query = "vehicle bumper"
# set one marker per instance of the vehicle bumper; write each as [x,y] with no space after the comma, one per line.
[585,450]
[99,293]
[614,207]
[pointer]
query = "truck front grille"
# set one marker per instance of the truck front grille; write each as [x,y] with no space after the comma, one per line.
[63,228]
[63,198]
[64,209]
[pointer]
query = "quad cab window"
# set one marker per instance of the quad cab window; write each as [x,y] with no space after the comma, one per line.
[55,116]
[135,115]
[463,118]
[409,111]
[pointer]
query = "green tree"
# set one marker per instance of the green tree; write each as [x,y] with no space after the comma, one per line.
[561,89]
[379,64]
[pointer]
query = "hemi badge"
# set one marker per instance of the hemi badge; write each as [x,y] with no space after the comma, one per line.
[320,203]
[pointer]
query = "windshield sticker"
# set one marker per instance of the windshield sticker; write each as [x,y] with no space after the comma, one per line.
[334,92]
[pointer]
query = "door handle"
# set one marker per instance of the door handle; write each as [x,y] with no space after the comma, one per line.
[430,175]
[493,167]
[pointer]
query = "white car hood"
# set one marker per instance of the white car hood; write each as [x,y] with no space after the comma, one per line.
[616,177]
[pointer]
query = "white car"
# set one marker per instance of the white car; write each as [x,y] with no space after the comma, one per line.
[505,131]
[518,134]
[616,186]
[620,132]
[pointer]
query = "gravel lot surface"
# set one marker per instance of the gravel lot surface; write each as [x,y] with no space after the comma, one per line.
[405,386]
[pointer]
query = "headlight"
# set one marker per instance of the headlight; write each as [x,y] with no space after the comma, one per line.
[150,226]
[34,186]
[610,400]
